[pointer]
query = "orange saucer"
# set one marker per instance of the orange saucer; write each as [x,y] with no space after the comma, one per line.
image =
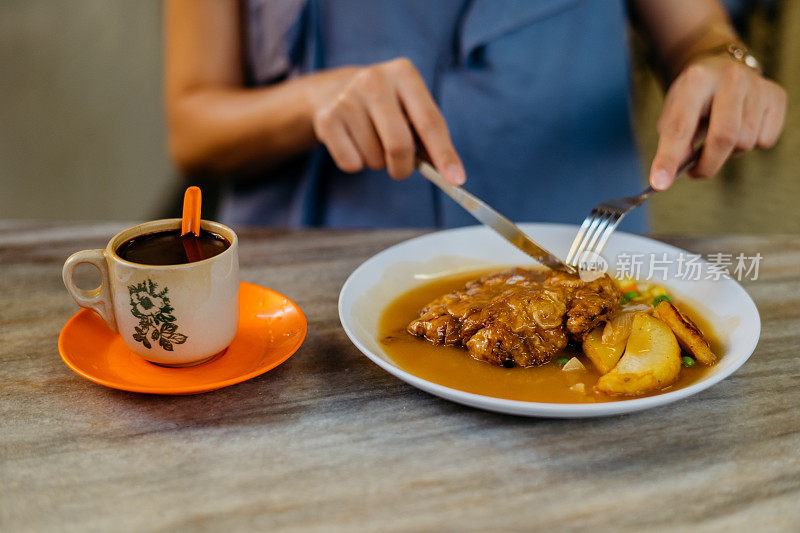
[271,329]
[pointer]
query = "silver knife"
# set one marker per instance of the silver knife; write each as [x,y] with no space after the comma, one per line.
[488,216]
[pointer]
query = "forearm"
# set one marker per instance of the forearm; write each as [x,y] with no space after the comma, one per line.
[221,129]
[680,30]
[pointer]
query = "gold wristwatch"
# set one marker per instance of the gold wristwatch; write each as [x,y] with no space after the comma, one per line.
[741,53]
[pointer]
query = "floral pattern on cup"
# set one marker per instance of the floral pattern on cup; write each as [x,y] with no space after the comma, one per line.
[153,310]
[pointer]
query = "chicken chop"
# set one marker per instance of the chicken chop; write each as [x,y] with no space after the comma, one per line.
[520,317]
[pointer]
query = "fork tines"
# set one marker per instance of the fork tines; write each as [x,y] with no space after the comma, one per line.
[593,234]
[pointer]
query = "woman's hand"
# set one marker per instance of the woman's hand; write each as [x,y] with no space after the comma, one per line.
[744,110]
[370,120]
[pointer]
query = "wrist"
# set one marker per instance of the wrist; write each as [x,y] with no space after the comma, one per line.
[711,39]
[319,87]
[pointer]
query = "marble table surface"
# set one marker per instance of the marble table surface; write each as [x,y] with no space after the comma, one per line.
[328,441]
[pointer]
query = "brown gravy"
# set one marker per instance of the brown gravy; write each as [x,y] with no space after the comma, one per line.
[453,367]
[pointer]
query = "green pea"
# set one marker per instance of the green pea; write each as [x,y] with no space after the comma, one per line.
[662,298]
[628,296]
[562,360]
[687,361]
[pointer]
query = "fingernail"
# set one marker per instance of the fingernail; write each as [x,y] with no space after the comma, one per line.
[661,179]
[455,174]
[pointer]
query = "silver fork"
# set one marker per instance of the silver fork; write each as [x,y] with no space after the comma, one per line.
[605,217]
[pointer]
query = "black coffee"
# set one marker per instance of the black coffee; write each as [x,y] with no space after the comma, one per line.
[168,248]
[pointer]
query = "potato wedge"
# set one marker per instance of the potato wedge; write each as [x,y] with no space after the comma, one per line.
[604,350]
[618,329]
[689,335]
[652,360]
[603,356]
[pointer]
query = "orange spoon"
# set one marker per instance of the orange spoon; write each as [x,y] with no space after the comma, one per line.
[192,200]
[190,224]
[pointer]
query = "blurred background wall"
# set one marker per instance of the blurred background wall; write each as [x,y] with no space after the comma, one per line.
[82,128]
[81,123]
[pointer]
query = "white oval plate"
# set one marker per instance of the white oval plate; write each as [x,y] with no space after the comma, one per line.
[382,278]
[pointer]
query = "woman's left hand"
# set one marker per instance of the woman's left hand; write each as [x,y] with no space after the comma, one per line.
[744,111]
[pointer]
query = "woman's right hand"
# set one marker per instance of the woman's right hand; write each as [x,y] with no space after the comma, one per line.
[365,117]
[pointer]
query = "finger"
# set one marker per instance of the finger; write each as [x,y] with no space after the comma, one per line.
[774,116]
[361,130]
[752,114]
[429,123]
[686,102]
[332,133]
[724,123]
[389,121]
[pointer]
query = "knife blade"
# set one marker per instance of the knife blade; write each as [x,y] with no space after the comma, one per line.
[489,217]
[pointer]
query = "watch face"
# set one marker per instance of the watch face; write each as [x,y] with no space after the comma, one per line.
[742,55]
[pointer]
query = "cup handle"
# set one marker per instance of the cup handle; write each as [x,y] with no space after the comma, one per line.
[99,299]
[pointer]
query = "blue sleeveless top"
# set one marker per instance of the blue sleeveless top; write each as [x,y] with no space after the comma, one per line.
[535,93]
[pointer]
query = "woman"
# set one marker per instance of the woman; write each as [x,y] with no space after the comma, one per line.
[306,105]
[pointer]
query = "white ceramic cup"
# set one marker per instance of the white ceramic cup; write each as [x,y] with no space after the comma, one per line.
[173,315]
